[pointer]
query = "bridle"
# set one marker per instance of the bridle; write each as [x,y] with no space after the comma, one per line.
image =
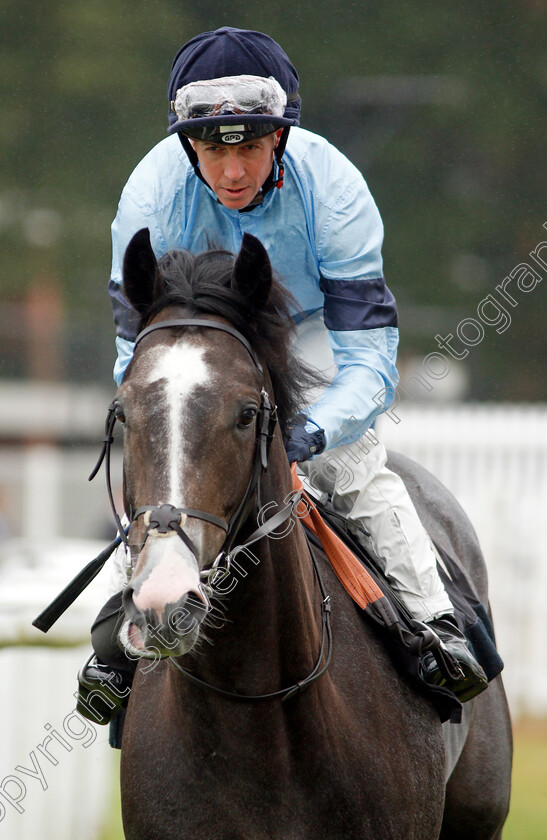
[166,517]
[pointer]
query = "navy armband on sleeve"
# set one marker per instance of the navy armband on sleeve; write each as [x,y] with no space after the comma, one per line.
[125,317]
[358,304]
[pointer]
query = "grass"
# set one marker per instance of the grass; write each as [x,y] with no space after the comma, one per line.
[114,831]
[528,814]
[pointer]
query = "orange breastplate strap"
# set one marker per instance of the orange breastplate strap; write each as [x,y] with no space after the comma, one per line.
[349,570]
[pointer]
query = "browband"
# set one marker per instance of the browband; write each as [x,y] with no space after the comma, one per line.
[201,322]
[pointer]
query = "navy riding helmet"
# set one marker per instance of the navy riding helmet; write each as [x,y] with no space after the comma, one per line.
[233,52]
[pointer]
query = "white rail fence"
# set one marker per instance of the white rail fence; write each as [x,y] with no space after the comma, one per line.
[56,769]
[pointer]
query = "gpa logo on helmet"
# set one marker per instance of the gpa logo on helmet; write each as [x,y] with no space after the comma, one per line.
[234,137]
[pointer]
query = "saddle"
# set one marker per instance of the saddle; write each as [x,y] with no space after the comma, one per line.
[407,639]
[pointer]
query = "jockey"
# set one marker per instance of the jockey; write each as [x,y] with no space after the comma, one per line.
[235,160]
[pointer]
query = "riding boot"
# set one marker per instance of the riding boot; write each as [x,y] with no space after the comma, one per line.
[104,682]
[102,691]
[471,679]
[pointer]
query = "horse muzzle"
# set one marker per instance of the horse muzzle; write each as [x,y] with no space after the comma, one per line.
[163,603]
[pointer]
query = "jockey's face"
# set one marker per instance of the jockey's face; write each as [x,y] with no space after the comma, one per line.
[236,173]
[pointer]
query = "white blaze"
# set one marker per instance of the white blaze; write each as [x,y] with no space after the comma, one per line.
[183,369]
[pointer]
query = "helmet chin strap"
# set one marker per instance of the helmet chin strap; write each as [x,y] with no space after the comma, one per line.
[270,182]
[279,151]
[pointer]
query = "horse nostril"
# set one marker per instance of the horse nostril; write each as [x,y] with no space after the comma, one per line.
[136,618]
[128,603]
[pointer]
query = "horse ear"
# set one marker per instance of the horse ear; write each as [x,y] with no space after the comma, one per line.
[252,273]
[140,271]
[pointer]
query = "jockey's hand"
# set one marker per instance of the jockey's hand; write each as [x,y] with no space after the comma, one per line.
[301,444]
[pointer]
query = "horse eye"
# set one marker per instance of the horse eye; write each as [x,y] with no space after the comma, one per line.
[118,413]
[246,417]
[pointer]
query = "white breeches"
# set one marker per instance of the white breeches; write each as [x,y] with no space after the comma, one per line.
[366,491]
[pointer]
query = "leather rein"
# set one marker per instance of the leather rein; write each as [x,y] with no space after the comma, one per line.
[168,517]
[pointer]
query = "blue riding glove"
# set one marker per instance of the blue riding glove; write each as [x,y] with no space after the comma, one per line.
[301,444]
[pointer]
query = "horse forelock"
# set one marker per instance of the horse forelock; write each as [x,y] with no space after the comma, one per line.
[201,285]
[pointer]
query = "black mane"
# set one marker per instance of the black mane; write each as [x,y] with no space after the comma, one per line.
[202,284]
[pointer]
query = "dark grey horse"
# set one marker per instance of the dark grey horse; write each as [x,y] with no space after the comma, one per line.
[356,752]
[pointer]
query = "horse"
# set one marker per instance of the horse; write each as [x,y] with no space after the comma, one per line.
[264,707]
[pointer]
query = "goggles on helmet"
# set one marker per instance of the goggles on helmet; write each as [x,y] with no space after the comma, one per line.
[230,95]
[231,109]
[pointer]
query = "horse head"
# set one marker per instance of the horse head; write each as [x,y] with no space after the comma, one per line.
[195,437]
